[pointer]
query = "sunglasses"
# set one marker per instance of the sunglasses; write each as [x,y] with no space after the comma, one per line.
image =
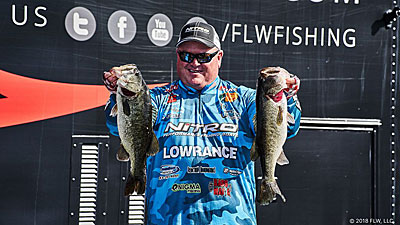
[201,57]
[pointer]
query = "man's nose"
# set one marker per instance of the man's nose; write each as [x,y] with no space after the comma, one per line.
[195,62]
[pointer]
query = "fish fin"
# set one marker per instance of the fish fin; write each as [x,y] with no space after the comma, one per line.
[107,104]
[135,184]
[279,118]
[114,111]
[253,151]
[282,159]
[290,118]
[122,154]
[268,191]
[153,148]
[140,187]
[255,121]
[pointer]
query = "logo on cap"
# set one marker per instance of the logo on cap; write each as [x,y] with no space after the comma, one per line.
[193,29]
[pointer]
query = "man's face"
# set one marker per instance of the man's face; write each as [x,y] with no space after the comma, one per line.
[198,75]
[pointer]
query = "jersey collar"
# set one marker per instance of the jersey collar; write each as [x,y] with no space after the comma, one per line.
[208,88]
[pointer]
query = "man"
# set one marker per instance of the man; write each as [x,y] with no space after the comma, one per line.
[203,173]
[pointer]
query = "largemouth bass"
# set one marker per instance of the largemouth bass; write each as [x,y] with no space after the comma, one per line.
[134,119]
[271,126]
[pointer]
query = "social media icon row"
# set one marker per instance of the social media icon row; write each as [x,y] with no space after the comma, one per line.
[81,26]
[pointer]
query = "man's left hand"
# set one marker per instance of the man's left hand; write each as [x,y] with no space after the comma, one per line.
[292,82]
[293,86]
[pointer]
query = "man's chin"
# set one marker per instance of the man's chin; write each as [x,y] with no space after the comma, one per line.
[198,85]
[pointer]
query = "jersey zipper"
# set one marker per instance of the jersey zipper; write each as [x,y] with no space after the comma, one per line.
[200,105]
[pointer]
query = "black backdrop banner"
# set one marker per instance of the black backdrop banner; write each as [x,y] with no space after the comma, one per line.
[327,43]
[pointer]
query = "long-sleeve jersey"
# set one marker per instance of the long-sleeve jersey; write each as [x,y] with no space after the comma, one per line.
[203,173]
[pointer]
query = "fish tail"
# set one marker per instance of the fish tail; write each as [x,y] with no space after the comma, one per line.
[268,191]
[276,189]
[140,185]
[135,184]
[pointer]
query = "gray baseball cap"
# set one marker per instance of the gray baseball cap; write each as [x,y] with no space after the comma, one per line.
[201,32]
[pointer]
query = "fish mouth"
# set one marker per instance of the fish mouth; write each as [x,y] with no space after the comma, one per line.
[268,72]
[275,97]
[128,93]
[271,84]
[128,88]
[272,79]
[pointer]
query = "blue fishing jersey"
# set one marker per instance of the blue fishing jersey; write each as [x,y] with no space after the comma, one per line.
[203,173]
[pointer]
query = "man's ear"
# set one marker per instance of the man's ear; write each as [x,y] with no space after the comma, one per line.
[220,55]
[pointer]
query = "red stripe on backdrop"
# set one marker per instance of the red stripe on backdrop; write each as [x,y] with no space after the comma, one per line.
[29,100]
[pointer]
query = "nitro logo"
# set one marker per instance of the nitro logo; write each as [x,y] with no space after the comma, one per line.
[201,169]
[203,128]
[193,151]
[189,188]
[220,187]
[194,29]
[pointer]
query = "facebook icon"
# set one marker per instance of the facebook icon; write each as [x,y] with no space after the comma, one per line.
[121,27]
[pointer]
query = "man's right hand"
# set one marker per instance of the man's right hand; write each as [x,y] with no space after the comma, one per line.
[110,81]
